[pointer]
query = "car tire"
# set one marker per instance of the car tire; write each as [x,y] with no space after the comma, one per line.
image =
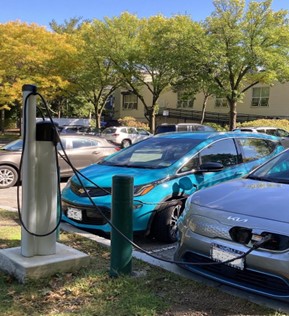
[165,223]
[8,177]
[125,143]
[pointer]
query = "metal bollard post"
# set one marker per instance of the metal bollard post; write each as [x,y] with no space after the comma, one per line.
[122,208]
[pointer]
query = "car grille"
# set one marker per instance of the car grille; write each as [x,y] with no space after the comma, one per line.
[253,280]
[92,216]
[92,191]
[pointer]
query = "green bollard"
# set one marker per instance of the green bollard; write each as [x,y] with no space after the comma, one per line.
[121,217]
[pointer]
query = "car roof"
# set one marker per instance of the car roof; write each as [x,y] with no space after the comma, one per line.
[213,135]
[255,127]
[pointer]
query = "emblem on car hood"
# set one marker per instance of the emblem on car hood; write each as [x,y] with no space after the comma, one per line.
[237,219]
[81,191]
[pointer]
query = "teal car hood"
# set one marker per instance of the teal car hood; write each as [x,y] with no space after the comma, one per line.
[247,197]
[102,174]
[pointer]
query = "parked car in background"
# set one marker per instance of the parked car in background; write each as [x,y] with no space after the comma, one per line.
[275,131]
[183,127]
[245,217]
[124,136]
[82,151]
[73,129]
[166,168]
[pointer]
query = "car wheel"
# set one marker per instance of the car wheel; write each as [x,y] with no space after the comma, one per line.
[165,224]
[125,143]
[8,177]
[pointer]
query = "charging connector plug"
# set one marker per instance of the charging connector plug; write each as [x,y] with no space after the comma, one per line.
[262,241]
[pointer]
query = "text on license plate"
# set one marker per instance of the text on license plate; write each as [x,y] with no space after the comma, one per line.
[74,213]
[223,253]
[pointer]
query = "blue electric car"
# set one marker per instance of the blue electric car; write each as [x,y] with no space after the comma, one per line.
[166,169]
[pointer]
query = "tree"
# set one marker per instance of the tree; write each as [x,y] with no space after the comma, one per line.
[68,27]
[93,77]
[246,47]
[144,52]
[30,54]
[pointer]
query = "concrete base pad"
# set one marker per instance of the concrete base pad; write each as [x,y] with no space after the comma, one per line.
[23,268]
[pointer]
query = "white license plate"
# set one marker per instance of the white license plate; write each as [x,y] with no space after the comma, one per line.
[74,213]
[222,253]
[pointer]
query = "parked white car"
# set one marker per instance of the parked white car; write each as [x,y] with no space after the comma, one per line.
[124,136]
[275,131]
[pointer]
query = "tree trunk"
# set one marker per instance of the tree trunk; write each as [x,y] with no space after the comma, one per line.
[2,121]
[233,114]
[152,116]
[204,108]
[98,120]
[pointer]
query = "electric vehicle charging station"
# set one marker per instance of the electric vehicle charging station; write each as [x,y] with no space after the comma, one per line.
[40,254]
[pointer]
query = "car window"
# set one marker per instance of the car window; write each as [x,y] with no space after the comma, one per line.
[193,164]
[253,148]
[142,132]
[78,143]
[63,142]
[109,130]
[271,132]
[153,153]
[13,146]
[131,130]
[282,133]
[182,128]
[165,129]
[276,170]
[246,130]
[223,151]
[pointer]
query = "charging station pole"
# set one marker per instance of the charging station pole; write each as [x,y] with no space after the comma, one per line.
[39,184]
[28,210]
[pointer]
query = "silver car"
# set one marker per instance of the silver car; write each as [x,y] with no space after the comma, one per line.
[244,223]
[82,151]
[124,136]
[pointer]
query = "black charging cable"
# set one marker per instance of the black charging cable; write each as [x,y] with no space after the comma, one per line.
[255,246]
[78,174]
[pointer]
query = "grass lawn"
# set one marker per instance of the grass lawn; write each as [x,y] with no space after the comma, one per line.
[91,291]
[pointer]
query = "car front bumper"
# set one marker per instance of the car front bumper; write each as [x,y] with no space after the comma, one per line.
[264,272]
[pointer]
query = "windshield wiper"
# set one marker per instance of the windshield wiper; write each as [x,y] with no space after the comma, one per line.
[267,179]
[255,178]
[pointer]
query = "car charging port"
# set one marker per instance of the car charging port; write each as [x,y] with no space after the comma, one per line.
[276,242]
[241,235]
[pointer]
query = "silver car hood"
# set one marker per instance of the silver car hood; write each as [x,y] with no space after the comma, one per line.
[247,197]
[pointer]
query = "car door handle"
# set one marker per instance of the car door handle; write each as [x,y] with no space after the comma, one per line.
[95,152]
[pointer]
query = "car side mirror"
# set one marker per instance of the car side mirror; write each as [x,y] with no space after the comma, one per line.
[210,167]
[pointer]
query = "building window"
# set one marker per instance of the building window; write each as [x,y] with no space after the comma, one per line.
[129,101]
[221,102]
[185,100]
[260,96]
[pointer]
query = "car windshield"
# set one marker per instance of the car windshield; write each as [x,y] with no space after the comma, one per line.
[153,153]
[16,145]
[275,170]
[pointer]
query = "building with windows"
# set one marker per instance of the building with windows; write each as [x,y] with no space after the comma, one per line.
[261,101]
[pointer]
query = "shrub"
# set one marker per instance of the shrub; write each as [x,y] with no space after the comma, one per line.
[281,123]
[131,121]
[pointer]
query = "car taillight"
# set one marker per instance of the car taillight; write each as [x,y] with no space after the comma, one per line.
[115,134]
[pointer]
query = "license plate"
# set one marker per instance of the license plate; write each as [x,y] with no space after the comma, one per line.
[74,213]
[222,253]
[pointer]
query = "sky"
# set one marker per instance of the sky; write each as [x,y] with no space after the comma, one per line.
[43,12]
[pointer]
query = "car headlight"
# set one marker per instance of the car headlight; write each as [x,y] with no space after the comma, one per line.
[186,210]
[143,189]
[67,185]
